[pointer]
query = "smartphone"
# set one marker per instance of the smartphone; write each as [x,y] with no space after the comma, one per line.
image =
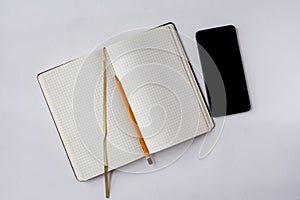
[223,71]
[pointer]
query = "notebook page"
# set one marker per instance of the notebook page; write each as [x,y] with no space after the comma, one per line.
[73,93]
[154,78]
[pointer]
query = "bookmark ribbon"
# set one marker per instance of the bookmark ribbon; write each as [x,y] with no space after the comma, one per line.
[105,162]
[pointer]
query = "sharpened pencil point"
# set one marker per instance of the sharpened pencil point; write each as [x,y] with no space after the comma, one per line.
[149,160]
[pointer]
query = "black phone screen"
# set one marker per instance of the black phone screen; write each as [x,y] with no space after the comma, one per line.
[221,44]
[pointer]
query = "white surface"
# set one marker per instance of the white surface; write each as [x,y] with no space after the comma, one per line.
[257,156]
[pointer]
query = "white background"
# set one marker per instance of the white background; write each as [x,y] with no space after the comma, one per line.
[258,154]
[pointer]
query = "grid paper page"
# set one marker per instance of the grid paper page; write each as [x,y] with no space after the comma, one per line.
[165,99]
[73,92]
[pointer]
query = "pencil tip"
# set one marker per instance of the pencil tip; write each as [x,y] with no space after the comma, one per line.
[149,160]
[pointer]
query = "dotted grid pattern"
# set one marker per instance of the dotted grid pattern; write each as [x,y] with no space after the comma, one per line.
[153,57]
[57,85]
[68,90]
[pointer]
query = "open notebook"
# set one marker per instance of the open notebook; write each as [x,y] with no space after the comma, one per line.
[162,91]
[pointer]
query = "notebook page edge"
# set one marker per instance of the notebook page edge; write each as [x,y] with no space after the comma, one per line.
[192,79]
